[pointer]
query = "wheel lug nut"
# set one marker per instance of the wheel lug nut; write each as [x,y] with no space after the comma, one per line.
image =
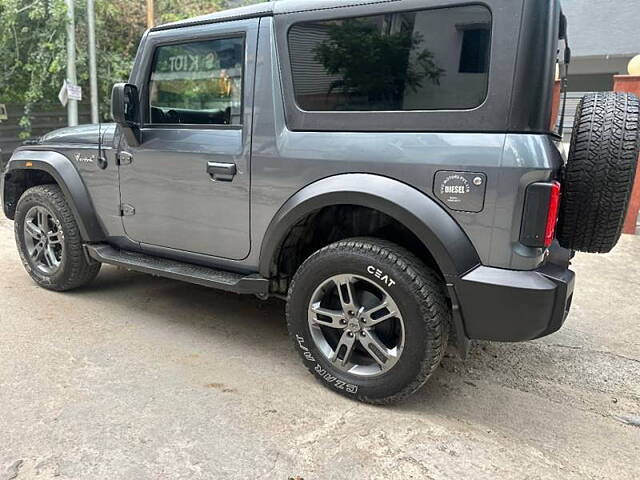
[350,334]
[343,321]
[362,333]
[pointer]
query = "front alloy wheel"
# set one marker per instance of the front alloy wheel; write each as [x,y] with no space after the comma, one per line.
[49,242]
[43,238]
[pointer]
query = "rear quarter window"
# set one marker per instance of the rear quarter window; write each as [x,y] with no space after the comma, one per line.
[435,59]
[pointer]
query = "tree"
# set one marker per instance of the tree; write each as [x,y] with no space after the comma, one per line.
[33,46]
[375,65]
[120,25]
[32,49]
[174,10]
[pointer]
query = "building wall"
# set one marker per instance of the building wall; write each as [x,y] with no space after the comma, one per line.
[603,35]
[595,74]
[442,31]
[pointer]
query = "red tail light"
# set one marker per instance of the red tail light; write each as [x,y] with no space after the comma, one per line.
[552,213]
[540,214]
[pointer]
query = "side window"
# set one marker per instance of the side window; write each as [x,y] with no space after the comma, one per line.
[197,83]
[419,60]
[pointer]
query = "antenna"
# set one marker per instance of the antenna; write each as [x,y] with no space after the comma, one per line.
[99,135]
[102,161]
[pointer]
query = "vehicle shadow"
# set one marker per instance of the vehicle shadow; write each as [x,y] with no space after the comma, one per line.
[502,374]
[203,311]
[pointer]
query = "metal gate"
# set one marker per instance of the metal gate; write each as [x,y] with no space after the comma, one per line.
[573,98]
[45,118]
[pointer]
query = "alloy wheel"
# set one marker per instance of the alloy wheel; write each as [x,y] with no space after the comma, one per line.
[356,325]
[43,239]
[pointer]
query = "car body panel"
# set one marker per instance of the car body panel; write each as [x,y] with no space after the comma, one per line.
[167,182]
[80,135]
[285,160]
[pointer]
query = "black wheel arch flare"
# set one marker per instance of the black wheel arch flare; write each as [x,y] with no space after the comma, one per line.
[67,177]
[436,229]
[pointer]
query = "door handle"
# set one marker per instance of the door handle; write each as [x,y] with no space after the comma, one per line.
[221,171]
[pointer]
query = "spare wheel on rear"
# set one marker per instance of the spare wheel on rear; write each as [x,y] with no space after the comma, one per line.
[600,171]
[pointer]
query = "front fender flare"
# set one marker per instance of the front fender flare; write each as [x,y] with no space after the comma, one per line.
[68,178]
[436,229]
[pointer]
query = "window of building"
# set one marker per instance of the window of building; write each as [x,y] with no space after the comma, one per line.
[418,60]
[474,56]
[197,83]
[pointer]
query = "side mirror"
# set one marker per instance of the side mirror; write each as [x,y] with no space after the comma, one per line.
[125,111]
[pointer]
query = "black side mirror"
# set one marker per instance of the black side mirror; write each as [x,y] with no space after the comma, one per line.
[125,111]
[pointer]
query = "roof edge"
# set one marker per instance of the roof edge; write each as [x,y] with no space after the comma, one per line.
[240,13]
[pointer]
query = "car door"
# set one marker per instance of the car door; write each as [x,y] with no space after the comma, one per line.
[186,186]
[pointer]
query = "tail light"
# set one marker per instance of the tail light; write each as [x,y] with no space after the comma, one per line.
[552,213]
[542,201]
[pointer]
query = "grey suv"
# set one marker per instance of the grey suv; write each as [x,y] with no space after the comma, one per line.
[391,168]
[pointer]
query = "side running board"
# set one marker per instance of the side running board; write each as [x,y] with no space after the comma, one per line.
[187,272]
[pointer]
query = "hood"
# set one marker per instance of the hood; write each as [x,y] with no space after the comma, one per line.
[82,134]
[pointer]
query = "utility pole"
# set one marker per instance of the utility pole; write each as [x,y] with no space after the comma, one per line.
[150,14]
[72,105]
[93,75]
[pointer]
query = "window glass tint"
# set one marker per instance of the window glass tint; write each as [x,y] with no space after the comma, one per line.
[420,60]
[197,83]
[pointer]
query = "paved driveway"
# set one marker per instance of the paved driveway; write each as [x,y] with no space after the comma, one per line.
[143,378]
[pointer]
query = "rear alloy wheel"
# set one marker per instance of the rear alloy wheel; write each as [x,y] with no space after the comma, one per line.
[356,325]
[369,319]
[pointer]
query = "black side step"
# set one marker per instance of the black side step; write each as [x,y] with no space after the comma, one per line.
[209,277]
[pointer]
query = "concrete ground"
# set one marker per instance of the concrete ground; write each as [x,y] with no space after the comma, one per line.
[136,377]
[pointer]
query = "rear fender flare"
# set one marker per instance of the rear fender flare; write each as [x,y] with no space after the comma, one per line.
[436,229]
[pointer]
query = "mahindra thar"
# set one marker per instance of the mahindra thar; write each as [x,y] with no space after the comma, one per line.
[391,168]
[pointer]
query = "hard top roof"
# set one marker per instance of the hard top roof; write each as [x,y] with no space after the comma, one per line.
[265,9]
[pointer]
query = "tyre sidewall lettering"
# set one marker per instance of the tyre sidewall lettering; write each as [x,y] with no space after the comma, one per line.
[380,275]
[322,372]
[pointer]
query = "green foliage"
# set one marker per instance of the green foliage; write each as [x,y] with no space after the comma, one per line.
[375,65]
[32,49]
[120,25]
[174,10]
[33,46]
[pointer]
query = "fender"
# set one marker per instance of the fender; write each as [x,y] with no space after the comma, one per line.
[436,229]
[68,178]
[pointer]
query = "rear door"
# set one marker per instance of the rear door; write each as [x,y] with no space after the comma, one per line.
[186,186]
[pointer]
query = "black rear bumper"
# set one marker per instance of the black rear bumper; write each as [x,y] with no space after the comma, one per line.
[512,305]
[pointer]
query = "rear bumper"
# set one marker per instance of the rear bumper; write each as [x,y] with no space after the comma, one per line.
[510,305]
